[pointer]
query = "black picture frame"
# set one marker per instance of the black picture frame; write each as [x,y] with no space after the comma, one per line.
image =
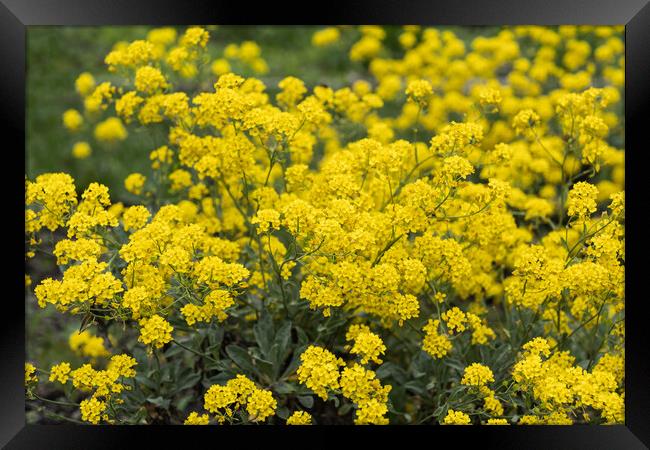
[17,15]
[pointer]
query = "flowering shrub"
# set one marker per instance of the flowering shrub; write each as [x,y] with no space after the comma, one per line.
[441,242]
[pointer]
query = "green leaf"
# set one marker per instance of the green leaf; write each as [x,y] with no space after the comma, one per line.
[284,388]
[139,415]
[389,369]
[306,400]
[266,367]
[241,358]
[303,339]
[215,339]
[146,381]
[188,382]
[344,409]
[295,361]
[182,404]
[456,365]
[283,413]
[283,336]
[220,378]
[159,401]
[220,365]
[86,321]
[277,359]
[415,386]
[264,332]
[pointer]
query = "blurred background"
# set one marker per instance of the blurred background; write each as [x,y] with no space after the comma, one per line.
[57,55]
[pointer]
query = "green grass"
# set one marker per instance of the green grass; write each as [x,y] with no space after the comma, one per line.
[57,55]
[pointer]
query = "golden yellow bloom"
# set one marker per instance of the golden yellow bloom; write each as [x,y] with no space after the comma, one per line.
[368,345]
[84,84]
[456,418]
[72,120]
[477,375]
[85,344]
[299,418]
[92,410]
[325,37]
[110,130]
[455,193]
[319,370]
[134,183]
[155,331]
[29,374]
[197,419]
[81,150]
[419,91]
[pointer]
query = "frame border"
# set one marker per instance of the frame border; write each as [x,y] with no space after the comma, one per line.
[17,15]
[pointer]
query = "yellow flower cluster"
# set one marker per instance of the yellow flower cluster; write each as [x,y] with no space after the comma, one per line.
[155,331]
[562,389]
[362,387]
[319,370]
[111,130]
[240,391]
[325,37]
[85,344]
[105,385]
[30,376]
[463,196]
[50,199]
[477,375]
[456,418]
[197,419]
[367,344]
[299,418]
[248,53]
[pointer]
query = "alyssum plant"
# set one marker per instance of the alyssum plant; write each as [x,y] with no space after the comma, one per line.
[435,245]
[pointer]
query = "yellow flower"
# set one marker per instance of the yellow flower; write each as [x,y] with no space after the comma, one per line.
[81,150]
[435,344]
[368,345]
[525,120]
[477,375]
[220,66]
[326,36]
[110,130]
[155,331]
[456,418]
[134,183]
[581,201]
[150,80]
[84,84]
[30,377]
[92,410]
[299,418]
[455,320]
[319,370]
[72,120]
[266,219]
[197,419]
[260,405]
[419,91]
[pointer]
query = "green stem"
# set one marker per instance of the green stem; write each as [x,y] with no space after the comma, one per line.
[203,355]
[54,401]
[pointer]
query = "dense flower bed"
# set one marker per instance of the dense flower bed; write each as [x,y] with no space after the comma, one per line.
[441,242]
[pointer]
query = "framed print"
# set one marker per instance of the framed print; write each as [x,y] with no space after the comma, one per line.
[375,214]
